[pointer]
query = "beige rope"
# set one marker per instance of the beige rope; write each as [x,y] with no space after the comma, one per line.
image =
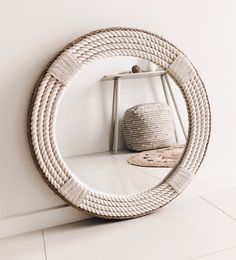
[46,100]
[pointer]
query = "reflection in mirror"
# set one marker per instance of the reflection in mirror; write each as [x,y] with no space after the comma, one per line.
[122,125]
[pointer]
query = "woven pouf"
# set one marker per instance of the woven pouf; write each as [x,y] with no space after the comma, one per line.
[160,158]
[148,126]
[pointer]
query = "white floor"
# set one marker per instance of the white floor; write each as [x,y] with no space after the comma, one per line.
[199,224]
[112,173]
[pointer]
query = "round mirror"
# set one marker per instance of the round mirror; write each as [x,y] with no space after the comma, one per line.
[133,126]
[122,125]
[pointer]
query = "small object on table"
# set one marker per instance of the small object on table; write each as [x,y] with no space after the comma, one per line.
[136,69]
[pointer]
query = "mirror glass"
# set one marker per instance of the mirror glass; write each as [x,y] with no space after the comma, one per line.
[122,125]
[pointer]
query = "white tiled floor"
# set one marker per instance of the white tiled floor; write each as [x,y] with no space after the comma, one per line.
[199,224]
[223,199]
[185,229]
[26,246]
[227,254]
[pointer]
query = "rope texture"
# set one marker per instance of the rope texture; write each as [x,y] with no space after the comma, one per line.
[65,68]
[92,47]
[180,179]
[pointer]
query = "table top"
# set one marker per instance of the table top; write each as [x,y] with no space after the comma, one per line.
[130,75]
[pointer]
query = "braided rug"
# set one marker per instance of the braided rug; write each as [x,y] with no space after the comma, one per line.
[57,78]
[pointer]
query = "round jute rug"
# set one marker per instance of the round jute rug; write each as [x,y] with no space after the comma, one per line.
[164,157]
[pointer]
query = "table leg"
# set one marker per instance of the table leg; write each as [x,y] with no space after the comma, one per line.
[115,119]
[168,102]
[176,107]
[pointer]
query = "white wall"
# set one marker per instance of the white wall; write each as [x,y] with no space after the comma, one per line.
[33,31]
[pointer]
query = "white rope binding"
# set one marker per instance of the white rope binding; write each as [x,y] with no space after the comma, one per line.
[181,69]
[180,179]
[74,191]
[65,68]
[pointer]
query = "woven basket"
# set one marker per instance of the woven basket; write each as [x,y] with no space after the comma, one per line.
[149,126]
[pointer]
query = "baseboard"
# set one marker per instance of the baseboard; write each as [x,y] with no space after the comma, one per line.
[40,220]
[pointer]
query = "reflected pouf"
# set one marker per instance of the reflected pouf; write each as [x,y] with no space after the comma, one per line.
[148,126]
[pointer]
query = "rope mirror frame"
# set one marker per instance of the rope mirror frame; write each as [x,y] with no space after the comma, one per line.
[57,78]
